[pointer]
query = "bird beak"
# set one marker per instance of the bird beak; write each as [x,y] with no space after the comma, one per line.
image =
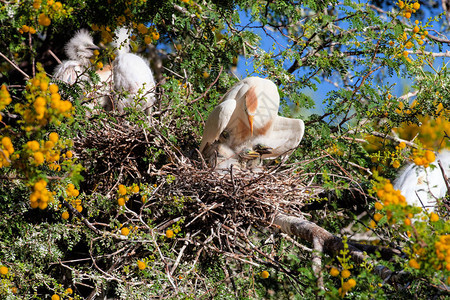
[250,121]
[93,47]
[261,149]
[249,154]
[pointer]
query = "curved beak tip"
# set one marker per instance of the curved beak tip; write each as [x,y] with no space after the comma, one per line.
[250,121]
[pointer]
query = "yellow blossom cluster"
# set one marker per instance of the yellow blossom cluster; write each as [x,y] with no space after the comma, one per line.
[26,29]
[5,98]
[141,265]
[42,151]
[41,196]
[127,230]
[72,194]
[384,190]
[150,34]
[418,33]
[347,283]
[431,131]
[6,149]
[124,193]
[384,157]
[387,194]
[47,11]
[264,274]
[408,8]
[423,157]
[3,270]
[44,104]
[436,256]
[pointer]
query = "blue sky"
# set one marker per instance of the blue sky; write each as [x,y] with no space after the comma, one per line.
[245,66]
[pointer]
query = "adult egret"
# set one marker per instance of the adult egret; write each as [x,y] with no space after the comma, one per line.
[423,186]
[246,111]
[132,75]
[247,119]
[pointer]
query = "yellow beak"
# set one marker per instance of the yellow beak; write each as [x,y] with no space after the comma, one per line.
[250,121]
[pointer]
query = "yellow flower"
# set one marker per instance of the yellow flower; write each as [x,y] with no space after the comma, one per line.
[79,208]
[264,274]
[55,297]
[69,291]
[65,215]
[38,158]
[53,88]
[378,206]
[416,6]
[125,231]
[377,217]
[334,272]
[44,20]
[122,190]
[69,154]
[135,189]
[409,45]
[345,273]
[429,155]
[434,217]
[169,233]
[40,185]
[402,145]
[414,264]
[352,282]
[3,270]
[42,205]
[121,201]
[416,29]
[407,222]
[396,164]
[418,161]
[53,137]
[141,265]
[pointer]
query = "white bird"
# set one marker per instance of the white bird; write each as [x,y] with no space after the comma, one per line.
[247,116]
[79,50]
[423,186]
[132,74]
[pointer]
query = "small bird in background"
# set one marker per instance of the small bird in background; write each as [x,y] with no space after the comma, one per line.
[423,186]
[79,50]
[132,74]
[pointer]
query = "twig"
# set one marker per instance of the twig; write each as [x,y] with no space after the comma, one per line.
[15,66]
[209,87]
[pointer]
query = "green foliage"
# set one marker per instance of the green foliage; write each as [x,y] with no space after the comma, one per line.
[354,47]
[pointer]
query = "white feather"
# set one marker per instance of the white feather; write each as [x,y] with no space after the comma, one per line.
[132,74]
[79,49]
[422,186]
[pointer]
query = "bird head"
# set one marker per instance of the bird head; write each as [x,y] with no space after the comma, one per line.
[81,47]
[248,154]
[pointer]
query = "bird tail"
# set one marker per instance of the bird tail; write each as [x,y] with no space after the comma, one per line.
[122,42]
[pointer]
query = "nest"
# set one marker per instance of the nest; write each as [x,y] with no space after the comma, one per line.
[217,211]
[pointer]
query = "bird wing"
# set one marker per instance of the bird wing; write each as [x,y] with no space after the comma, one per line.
[67,71]
[285,136]
[217,122]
